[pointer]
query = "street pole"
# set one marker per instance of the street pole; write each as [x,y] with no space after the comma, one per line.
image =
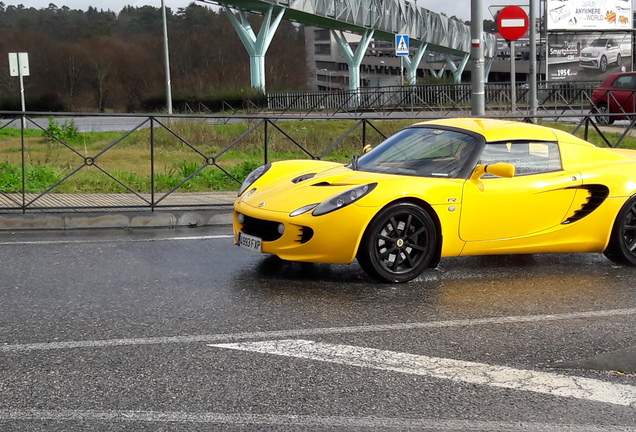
[478,95]
[513,76]
[166,57]
[533,60]
[22,102]
[19,66]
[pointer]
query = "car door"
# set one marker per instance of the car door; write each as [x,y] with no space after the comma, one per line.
[621,97]
[536,199]
[611,51]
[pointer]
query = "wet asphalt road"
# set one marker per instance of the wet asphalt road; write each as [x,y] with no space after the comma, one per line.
[179,330]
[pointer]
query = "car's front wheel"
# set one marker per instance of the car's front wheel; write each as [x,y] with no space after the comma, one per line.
[622,244]
[602,111]
[603,64]
[399,243]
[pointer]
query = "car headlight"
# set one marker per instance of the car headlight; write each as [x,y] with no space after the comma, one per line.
[253,176]
[343,199]
[595,54]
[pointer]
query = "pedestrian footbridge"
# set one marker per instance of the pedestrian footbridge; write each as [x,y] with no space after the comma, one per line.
[379,19]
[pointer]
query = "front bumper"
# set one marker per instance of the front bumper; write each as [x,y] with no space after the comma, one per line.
[330,238]
[591,63]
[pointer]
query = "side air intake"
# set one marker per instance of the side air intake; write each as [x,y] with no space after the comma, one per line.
[598,194]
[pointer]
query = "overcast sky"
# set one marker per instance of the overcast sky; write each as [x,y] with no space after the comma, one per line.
[459,8]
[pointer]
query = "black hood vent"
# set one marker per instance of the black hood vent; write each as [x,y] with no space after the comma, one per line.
[303,178]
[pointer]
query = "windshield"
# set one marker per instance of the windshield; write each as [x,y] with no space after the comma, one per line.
[420,151]
[599,43]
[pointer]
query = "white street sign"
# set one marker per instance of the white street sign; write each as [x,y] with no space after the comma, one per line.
[19,64]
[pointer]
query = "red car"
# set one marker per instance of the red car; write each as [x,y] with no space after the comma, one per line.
[616,95]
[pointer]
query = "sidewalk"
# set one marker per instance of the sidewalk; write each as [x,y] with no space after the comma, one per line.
[77,211]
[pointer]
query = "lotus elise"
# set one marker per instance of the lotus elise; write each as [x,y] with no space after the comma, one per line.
[442,188]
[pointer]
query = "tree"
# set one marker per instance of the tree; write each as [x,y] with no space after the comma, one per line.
[98,59]
[490,26]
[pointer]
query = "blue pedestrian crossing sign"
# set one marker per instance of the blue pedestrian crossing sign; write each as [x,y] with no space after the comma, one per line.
[401,45]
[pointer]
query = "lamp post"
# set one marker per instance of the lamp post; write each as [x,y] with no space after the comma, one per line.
[328,74]
[318,70]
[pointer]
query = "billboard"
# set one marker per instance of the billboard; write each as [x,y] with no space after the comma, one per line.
[587,56]
[589,14]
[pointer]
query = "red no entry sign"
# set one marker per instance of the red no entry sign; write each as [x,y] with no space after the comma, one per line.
[512,22]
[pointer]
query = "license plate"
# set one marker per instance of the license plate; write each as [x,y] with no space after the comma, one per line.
[249,242]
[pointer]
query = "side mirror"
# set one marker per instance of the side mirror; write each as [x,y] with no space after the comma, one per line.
[499,169]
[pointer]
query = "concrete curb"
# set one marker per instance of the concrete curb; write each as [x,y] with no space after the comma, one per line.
[114,219]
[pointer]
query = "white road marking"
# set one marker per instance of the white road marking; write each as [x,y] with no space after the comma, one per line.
[419,424]
[119,240]
[295,333]
[454,370]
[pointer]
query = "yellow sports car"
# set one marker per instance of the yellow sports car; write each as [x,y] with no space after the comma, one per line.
[442,188]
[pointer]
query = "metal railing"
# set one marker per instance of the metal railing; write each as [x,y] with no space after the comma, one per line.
[448,99]
[38,147]
[31,193]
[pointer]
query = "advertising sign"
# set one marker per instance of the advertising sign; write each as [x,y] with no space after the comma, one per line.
[589,14]
[587,56]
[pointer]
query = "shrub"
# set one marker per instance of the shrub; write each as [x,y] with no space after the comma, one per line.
[66,132]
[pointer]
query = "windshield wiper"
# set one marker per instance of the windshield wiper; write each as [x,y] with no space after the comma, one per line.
[354,162]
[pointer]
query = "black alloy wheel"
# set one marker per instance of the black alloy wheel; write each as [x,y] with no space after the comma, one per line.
[603,64]
[399,243]
[618,60]
[622,244]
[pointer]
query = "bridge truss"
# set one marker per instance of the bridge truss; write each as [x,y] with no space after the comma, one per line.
[381,19]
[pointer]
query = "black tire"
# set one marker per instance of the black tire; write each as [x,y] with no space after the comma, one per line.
[399,243]
[603,64]
[603,119]
[622,244]
[618,60]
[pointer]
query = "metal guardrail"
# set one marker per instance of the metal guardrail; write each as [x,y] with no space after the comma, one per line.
[30,193]
[155,129]
[448,99]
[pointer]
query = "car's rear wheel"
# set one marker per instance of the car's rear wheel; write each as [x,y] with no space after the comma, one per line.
[622,244]
[602,111]
[399,243]
[618,60]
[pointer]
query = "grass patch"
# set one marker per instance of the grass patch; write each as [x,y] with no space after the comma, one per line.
[12,130]
[38,178]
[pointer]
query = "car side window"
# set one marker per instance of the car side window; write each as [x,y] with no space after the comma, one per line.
[624,81]
[527,157]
